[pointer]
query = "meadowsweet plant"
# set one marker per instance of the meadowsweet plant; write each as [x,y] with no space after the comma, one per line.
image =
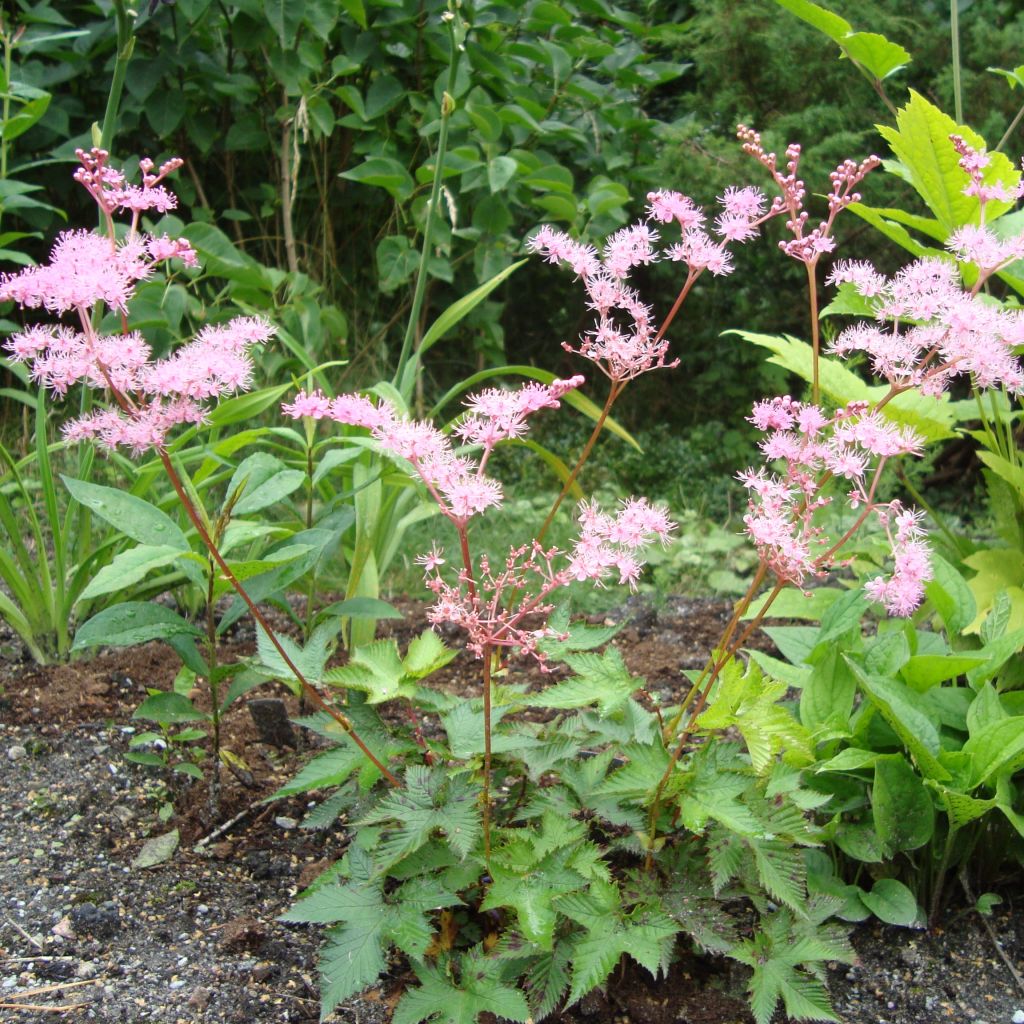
[148,397]
[497,606]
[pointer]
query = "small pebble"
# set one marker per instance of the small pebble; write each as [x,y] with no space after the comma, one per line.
[1018,1017]
[16,753]
[177,983]
[283,822]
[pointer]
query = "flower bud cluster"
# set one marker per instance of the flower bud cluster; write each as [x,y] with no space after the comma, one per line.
[806,246]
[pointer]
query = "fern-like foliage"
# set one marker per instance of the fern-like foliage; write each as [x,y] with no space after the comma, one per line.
[430,802]
[788,955]
[353,956]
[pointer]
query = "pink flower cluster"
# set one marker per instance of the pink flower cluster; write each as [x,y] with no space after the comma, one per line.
[496,606]
[928,329]
[903,591]
[853,443]
[456,482]
[152,396]
[87,271]
[625,341]
[806,246]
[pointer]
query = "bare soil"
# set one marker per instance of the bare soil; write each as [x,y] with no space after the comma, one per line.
[196,940]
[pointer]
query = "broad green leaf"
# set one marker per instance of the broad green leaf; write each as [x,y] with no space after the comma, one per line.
[880,56]
[169,709]
[129,567]
[924,671]
[134,517]
[892,902]
[828,693]
[131,623]
[902,807]
[500,171]
[997,748]
[901,707]
[861,842]
[263,480]
[383,172]
[950,595]
[851,759]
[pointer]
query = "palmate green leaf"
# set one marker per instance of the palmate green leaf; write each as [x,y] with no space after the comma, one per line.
[921,143]
[579,636]
[309,660]
[441,999]
[638,779]
[600,679]
[781,871]
[429,803]
[374,669]
[548,981]
[531,896]
[779,953]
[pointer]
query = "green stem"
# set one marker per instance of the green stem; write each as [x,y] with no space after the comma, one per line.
[1009,131]
[812,295]
[456,32]
[125,46]
[954,31]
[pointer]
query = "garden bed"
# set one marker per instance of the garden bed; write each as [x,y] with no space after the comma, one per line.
[196,938]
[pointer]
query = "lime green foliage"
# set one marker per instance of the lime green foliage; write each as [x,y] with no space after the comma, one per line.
[926,760]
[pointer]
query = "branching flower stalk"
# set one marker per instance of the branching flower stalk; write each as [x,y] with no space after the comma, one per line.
[149,397]
[496,606]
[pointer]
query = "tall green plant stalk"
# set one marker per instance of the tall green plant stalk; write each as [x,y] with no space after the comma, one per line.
[456,37]
[954,32]
[125,48]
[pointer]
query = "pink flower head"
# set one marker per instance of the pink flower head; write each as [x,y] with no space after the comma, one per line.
[84,270]
[666,207]
[314,404]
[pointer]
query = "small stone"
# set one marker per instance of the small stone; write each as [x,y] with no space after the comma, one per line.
[1018,1017]
[202,909]
[199,999]
[271,719]
[16,753]
[243,933]
[63,929]
[177,983]
[286,822]
[86,969]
